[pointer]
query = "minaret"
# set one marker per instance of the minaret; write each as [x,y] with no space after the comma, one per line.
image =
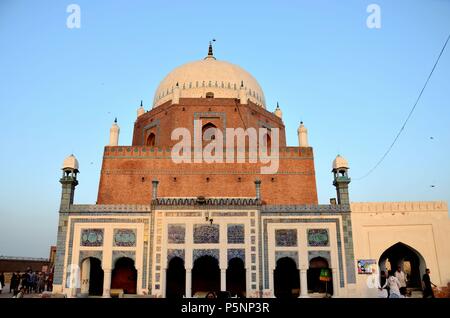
[141,110]
[242,94]
[176,94]
[278,112]
[302,133]
[69,181]
[114,134]
[341,179]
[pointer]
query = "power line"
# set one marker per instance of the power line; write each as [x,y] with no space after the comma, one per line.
[409,115]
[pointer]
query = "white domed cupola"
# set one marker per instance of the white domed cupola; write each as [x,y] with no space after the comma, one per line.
[210,76]
[70,163]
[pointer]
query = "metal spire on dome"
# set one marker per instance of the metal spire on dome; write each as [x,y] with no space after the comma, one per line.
[141,103]
[210,50]
[115,120]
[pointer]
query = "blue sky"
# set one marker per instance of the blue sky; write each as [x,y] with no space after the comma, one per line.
[61,88]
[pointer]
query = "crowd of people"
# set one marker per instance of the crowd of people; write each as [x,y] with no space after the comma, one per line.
[28,282]
[393,284]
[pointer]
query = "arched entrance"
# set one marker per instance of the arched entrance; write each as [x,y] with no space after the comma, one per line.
[286,279]
[319,276]
[91,277]
[205,275]
[236,280]
[124,276]
[176,278]
[412,263]
[151,140]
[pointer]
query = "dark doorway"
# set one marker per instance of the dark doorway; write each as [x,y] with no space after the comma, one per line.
[411,261]
[320,278]
[91,277]
[286,279]
[95,277]
[205,275]
[176,278]
[124,276]
[236,280]
[151,140]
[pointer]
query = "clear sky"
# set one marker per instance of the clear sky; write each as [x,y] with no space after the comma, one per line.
[61,88]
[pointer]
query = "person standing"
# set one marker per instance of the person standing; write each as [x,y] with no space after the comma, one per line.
[2,281]
[382,287]
[401,276]
[426,285]
[15,280]
[394,286]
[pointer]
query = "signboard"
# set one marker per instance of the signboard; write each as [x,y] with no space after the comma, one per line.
[367,266]
[325,275]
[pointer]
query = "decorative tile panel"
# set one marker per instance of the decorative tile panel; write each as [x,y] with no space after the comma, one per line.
[125,237]
[176,233]
[171,253]
[86,254]
[286,237]
[235,233]
[323,254]
[291,254]
[92,237]
[119,254]
[318,237]
[236,252]
[197,253]
[206,233]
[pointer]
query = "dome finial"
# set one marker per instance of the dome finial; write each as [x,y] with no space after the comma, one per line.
[141,102]
[115,120]
[210,50]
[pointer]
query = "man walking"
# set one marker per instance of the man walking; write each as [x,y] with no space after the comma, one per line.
[401,276]
[426,284]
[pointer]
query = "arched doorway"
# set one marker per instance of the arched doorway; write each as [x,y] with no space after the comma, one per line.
[205,275]
[176,278]
[319,276]
[151,140]
[286,279]
[124,276]
[91,277]
[410,260]
[209,132]
[236,280]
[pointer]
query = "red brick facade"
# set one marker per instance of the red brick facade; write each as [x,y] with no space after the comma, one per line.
[128,171]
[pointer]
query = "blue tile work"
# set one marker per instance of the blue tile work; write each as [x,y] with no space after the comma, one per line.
[176,233]
[286,237]
[86,254]
[236,233]
[301,220]
[197,253]
[206,233]
[323,254]
[348,246]
[119,254]
[236,252]
[91,237]
[291,254]
[171,253]
[60,249]
[124,237]
[62,234]
[318,237]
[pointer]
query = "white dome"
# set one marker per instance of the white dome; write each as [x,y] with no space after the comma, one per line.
[340,162]
[70,163]
[197,78]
